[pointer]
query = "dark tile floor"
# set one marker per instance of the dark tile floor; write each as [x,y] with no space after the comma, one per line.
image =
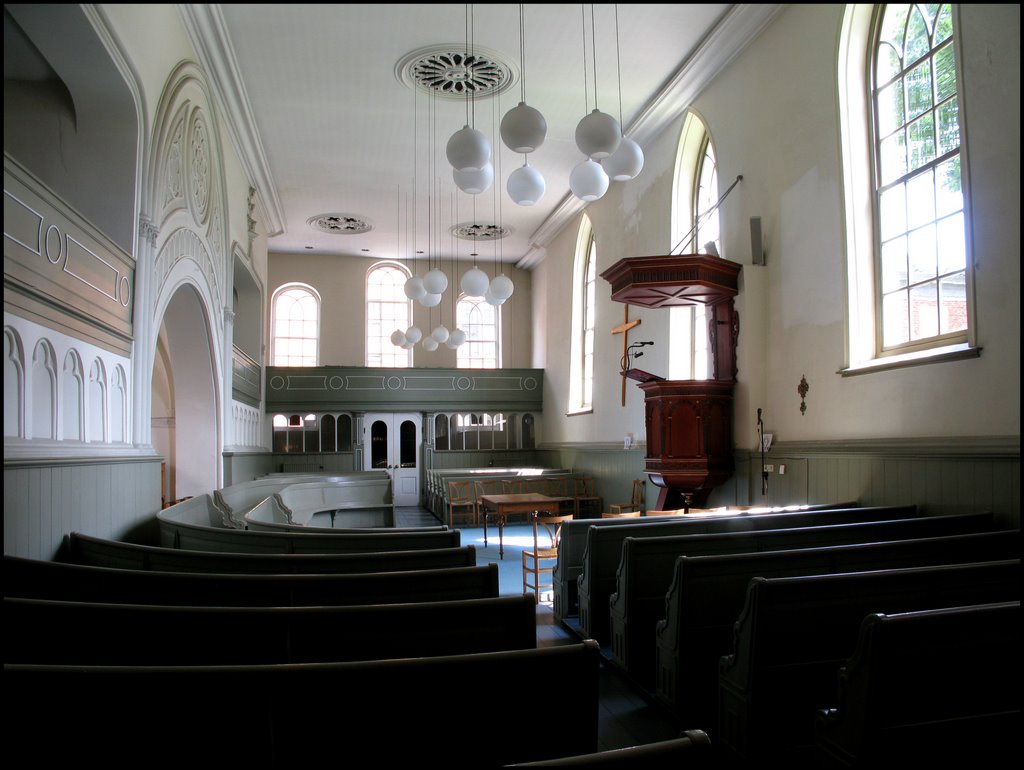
[627,716]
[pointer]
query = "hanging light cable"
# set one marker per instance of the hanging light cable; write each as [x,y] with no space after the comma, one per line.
[628,159]
[588,181]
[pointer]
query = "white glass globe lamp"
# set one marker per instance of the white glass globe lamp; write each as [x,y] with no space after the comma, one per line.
[625,163]
[414,287]
[398,338]
[413,334]
[474,182]
[435,282]
[456,338]
[588,181]
[526,185]
[501,287]
[598,135]
[523,128]
[468,149]
[490,299]
[430,300]
[430,344]
[440,333]
[474,282]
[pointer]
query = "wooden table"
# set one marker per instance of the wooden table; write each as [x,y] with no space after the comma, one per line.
[527,502]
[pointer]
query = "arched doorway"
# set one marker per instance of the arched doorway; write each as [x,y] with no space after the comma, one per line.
[184,405]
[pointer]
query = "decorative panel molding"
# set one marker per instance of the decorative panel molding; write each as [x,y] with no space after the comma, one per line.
[59,270]
[245,377]
[360,389]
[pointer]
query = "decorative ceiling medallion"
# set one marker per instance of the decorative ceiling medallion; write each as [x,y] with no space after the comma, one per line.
[339,224]
[469,232]
[449,71]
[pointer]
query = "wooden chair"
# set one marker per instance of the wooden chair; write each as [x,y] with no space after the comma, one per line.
[637,503]
[626,515]
[587,502]
[483,487]
[541,559]
[461,501]
[513,486]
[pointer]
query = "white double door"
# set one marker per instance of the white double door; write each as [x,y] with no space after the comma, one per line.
[391,442]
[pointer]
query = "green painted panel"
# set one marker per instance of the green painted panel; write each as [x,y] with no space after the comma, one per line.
[356,389]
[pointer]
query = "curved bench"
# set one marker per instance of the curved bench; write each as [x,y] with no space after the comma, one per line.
[325,506]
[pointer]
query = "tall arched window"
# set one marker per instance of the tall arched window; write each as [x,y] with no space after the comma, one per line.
[295,339]
[387,310]
[584,299]
[480,321]
[905,185]
[694,225]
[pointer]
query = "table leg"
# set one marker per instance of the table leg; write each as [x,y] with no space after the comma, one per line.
[501,536]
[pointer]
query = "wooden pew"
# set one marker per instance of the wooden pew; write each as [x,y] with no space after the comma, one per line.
[36,579]
[900,701]
[238,499]
[598,578]
[84,549]
[691,750]
[707,594]
[795,633]
[197,538]
[647,565]
[399,712]
[37,631]
[574,539]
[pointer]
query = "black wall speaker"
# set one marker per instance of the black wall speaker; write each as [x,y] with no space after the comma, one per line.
[757,256]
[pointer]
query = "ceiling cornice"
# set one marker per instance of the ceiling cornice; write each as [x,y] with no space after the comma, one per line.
[737,28]
[205,26]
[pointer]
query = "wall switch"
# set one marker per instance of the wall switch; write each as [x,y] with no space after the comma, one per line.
[769,469]
[782,468]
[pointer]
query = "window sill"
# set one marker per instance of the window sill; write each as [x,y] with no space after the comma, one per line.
[579,412]
[933,356]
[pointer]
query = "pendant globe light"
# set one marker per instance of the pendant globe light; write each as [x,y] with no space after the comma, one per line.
[523,129]
[430,344]
[440,333]
[588,181]
[456,339]
[435,282]
[413,334]
[526,185]
[628,160]
[597,134]
[468,149]
[474,282]
[502,287]
[398,338]
[474,182]
[414,288]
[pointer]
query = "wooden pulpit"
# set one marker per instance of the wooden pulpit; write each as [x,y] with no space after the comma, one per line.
[689,422]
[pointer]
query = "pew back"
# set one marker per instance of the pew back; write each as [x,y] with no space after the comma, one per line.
[177,635]
[795,633]
[707,594]
[36,579]
[85,549]
[196,538]
[609,534]
[598,578]
[900,699]
[303,716]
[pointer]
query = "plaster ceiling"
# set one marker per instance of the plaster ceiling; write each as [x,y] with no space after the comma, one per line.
[330,123]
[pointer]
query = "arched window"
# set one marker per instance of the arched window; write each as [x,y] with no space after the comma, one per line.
[387,310]
[584,299]
[905,189]
[694,226]
[295,339]
[480,321]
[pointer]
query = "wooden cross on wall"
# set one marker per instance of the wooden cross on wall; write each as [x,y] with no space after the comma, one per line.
[623,329]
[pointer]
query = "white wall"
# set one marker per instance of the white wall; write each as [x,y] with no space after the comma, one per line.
[773,117]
